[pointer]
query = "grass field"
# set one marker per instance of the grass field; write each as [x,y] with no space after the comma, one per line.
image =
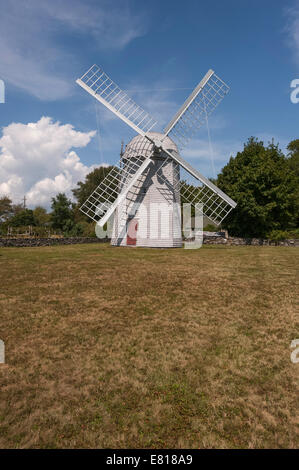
[144,348]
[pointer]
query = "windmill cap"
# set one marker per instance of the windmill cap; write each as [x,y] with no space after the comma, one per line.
[142,146]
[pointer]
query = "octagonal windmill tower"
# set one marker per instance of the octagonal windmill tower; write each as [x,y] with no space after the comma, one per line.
[151,173]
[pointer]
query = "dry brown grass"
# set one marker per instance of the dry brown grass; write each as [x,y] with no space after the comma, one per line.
[130,348]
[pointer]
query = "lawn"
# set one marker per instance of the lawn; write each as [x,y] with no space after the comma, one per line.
[147,348]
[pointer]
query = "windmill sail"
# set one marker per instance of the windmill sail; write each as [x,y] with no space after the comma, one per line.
[96,82]
[216,204]
[114,188]
[193,113]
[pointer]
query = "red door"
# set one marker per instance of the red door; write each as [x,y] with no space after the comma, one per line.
[132,232]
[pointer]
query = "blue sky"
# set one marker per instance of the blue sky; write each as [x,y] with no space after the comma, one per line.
[158,51]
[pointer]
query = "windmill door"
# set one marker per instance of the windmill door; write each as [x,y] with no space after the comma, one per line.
[132,232]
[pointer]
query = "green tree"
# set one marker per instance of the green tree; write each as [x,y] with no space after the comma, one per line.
[293,155]
[6,208]
[259,180]
[71,229]
[62,211]
[22,218]
[293,162]
[16,208]
[41,216]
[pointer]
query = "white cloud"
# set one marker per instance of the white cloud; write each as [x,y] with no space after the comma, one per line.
[111,26]
[37,159]
[292,30]
[35,60]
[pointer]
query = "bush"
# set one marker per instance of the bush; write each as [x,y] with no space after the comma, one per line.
[211,228]
[277,235]
[88,229]
[31,231]
[70,229]
[294,233]
[23,218]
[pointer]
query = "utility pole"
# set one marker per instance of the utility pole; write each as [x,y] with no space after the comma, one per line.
[24,202]
[121,153]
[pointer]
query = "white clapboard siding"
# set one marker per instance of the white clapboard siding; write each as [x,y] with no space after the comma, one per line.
[160,229]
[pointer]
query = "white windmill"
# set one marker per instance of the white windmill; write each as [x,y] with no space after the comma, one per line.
[151,173]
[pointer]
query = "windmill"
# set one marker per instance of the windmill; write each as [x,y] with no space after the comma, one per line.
[151,173]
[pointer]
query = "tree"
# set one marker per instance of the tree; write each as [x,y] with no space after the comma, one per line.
[293,162]
[92,180]
[41,216]
[62,211]
[22,218]
[293,155]
[71,229]
[6,208]
[259,180]
[16,208]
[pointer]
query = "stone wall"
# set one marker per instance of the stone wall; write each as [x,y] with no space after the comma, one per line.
[248,241]
[19,242]
[208,240]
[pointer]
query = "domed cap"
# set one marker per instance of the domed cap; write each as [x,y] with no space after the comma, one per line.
[141,146]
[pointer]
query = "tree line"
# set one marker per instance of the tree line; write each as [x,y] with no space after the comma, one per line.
[265,184]
[64,217]
[261,179]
